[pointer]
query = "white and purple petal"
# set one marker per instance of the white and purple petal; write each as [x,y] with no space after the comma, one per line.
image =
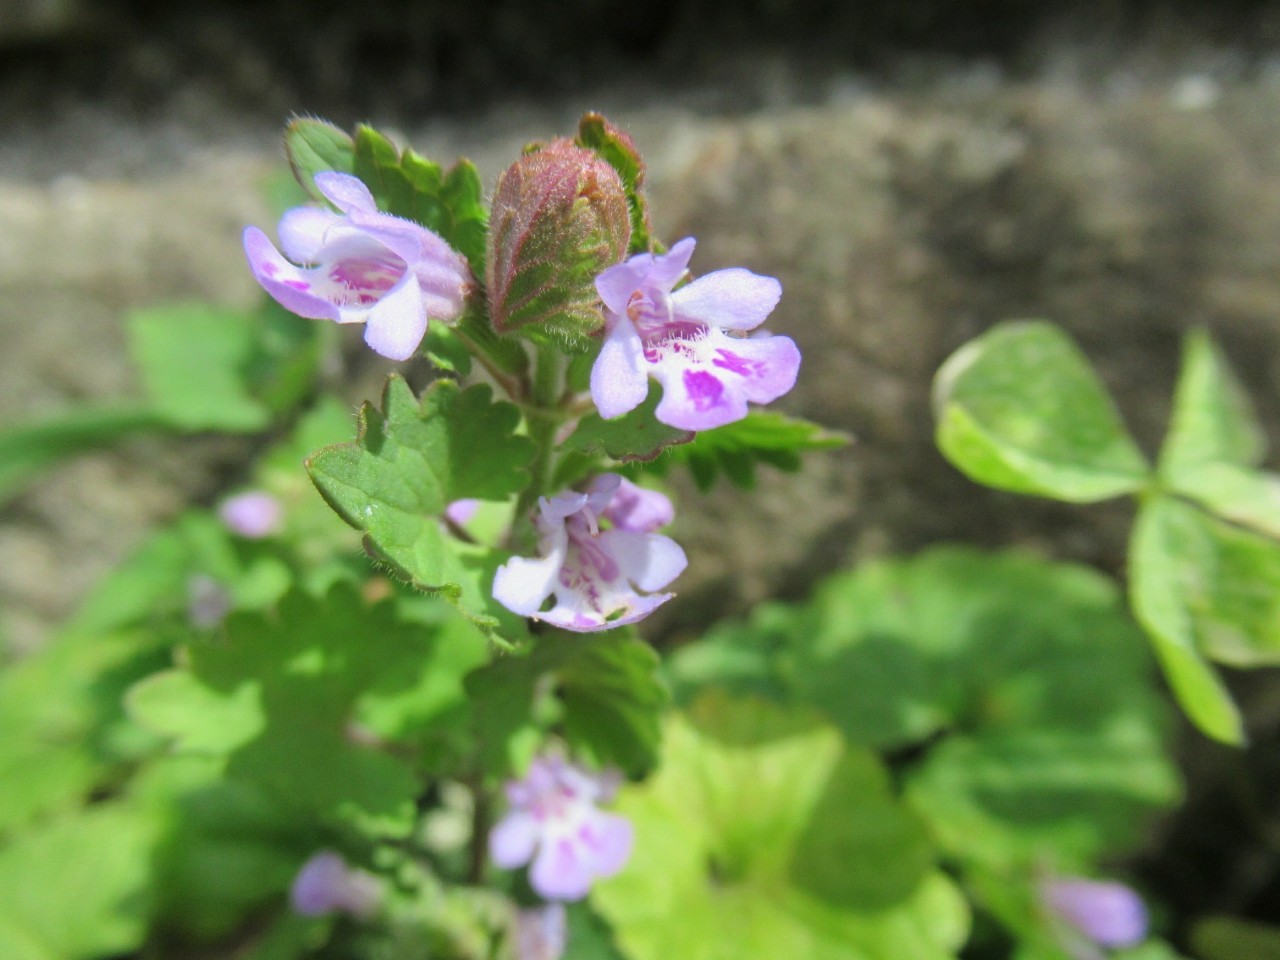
[636,508]
[619,377]
[513,839]
[396,324]
[649,560]
[732,299]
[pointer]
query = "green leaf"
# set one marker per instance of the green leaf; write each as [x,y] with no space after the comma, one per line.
[1226,580]
[316,146]
[762,836]
[279,694]
[734,449]
[951,662]
[405,184]
[604,689]
[209,368]
[619,150]
[1213,421]
[409,461]
[637,435]
[1230,938]
[90,868]
[26,451]
[1020,409]
[1158,566]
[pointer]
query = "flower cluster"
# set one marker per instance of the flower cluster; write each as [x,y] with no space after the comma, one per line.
[555,822]
[685,339]
[594,572]
[365,266]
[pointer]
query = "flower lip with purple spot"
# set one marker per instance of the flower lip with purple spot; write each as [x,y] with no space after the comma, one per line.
[594,574]
[691,339]
[554,822]
[360,265]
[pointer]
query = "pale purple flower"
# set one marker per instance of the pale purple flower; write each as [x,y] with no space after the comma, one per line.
[690,340]
[254,514]
[208,602]
[1108,913]
[326,884]
[542,933]
[554,821]
[361,266]
[593,572]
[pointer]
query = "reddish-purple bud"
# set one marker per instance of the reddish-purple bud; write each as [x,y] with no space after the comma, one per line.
[560,216]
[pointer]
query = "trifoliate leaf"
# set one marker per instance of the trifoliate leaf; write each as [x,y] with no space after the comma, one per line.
[637,435]
[1020,409]
[1213,421]
[762,835]
[409,461]
[734,449]
[316,146]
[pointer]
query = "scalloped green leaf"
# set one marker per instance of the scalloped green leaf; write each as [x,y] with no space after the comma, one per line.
[1020,409]
[408,185]
[735,449]
[943,656]
[637,435]
[409,461]
[762,835]
[605,690]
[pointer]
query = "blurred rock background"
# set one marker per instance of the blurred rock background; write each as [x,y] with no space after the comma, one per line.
[913,171]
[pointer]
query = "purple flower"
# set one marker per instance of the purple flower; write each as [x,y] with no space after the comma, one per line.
[362,266]
[325,884]
[591,571]
[554,821]
[684,340]
[255,514]
[208,602]
[541,933]
[1108,913]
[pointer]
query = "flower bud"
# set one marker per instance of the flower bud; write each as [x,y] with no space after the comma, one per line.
[559,217]
[1108,913]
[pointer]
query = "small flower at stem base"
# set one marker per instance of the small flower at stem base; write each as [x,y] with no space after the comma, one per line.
[554,821]
[542,933]
[689,340]
[254,514]
[326,884]
[361,266]
[593,573]
[1109,914]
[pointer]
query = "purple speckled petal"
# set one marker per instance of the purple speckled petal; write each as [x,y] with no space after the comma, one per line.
[347,193]
[764,368]
[254,514]
[304,232]
[513,839]
[649,560]
[290,286]
[396,324]
[695,398]
[1108,913]
[619,377]
[638,509]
